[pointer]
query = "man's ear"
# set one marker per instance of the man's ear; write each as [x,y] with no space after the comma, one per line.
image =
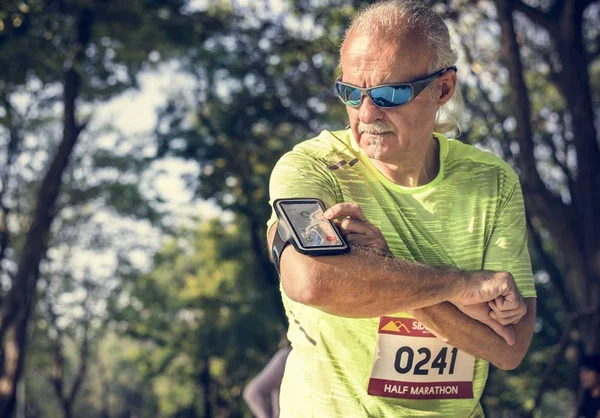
[447,87]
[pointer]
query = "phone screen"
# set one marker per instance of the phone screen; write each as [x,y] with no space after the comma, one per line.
[306,218]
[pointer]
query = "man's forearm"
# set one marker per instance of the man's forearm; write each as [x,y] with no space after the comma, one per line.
[364,284]
[449,324]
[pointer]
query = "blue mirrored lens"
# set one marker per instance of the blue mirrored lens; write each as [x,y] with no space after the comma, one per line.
[384,96]
[389,96]
[349,95]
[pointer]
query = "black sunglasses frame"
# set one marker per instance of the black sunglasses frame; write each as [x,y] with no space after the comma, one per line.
[416,87]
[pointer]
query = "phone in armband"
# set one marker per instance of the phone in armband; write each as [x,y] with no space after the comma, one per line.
[302,223]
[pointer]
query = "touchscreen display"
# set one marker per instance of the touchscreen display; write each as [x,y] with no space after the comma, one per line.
[309,224]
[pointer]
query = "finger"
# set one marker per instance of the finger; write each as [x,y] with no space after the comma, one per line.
[366,242]
[507,302]
[345,209]
[504,313]
[356,239]
[506,320]
[481,312]
[350,225]
[521,307]
[505,331]
[509,318]
[509,314]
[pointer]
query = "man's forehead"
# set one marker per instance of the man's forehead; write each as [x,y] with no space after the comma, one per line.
[403,56]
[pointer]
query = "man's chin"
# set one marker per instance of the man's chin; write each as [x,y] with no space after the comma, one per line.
[376,152]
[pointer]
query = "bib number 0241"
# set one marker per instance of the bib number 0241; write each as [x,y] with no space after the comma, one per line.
[405,360]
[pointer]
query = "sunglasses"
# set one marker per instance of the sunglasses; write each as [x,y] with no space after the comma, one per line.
[388,95]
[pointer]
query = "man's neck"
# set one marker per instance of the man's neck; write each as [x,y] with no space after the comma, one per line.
[414,169]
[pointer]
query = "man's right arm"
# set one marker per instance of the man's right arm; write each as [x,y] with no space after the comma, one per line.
[484,339]
[365,284]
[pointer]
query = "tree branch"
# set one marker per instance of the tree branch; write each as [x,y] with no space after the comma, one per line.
[543,19]
[519,97]
[12,152]
[548,140]
[595,52]
[36,238]
[505,142]
[56,373]
[83,363]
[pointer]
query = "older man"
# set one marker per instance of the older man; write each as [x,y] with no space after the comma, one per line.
[438,283]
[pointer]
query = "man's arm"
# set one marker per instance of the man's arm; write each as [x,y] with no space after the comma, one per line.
[365,284]
[450,325]
[352,288]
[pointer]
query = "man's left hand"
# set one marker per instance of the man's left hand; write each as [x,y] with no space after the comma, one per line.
[357,230]
[507,311]
[483,313]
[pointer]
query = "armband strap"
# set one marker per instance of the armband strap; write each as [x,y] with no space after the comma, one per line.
[278,245]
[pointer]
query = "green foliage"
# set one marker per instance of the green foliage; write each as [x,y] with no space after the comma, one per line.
[38,36]
[250,105]
[259,84]
[37,45]
[196,306]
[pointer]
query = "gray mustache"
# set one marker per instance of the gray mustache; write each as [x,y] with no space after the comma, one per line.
[377,127]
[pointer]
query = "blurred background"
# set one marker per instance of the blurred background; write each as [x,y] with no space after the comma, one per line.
[136,142]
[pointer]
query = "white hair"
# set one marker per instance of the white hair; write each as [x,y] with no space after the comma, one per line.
[392,19]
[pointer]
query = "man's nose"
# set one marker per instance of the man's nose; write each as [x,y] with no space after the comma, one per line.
[368,112]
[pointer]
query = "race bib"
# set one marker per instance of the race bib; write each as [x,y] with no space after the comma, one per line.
[411,363]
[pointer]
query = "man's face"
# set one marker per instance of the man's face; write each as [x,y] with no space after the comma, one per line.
[589,378]
[384,134]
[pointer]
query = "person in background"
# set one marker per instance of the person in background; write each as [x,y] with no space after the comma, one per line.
[261,394]
[589,375]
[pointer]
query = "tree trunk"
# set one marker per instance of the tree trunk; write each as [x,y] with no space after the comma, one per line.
[574,228]
[18,304]
[67,409]
[576,87]
[546,210]
[585,196]
[12,152]
[206,383]
[104,390]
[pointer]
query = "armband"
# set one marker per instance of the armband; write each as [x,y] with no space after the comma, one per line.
[302,223]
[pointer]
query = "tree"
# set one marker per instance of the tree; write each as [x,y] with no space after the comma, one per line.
[66,391]
[73,53]
[573,226]
[206,327]
[250,105]
[17,305]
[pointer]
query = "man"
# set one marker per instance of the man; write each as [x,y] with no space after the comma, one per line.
[589,375]
[438,236]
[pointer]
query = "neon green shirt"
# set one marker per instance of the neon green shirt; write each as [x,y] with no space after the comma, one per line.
[470,216]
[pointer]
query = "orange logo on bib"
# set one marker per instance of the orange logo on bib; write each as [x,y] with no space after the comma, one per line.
[396,326]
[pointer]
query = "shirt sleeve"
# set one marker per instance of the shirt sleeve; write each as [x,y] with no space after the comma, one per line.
[507,248]
[298,174]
